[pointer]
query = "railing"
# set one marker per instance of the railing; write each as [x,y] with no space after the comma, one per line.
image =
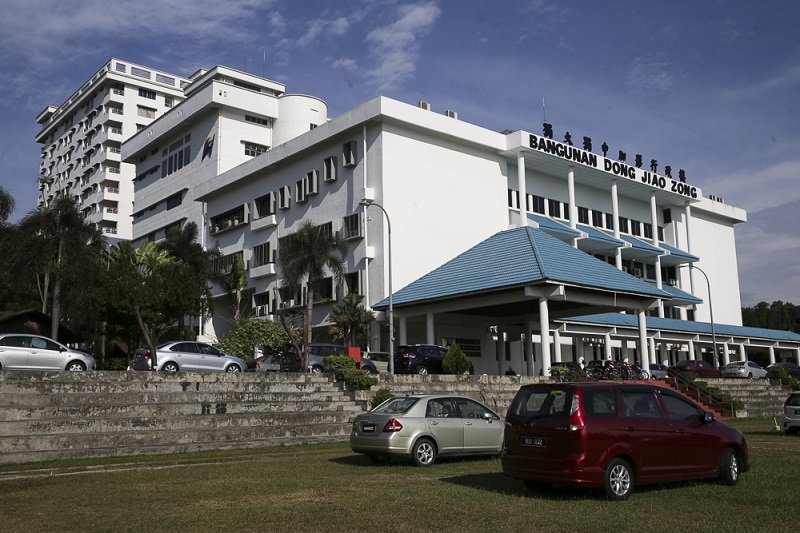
[701,394]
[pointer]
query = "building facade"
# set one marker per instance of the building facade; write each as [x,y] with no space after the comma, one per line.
[82,138]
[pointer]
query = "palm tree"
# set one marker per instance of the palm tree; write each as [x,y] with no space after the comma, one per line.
[58,246]
[351,321]
[307,255]
[6,205]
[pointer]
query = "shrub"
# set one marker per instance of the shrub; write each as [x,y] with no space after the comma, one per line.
[356,379]
[338,362]
[455,361]
[784,377]
[381,396]
[248,334]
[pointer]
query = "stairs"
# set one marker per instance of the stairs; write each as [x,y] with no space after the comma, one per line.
[60,415]
[761,397]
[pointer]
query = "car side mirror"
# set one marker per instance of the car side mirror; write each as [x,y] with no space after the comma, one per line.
[487,416]
[708,417]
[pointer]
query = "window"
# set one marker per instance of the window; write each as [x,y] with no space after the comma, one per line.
[351,226]
[146,112]
[680,409]
[257,120]
[265,205]
[329,169]
[513,199]
[583,215]
[142,73]
[636,228]
[262,255]
[554,208]
[323,290]
[224,265]
[352,282]
[300,191]
[168,80]
[648,230]
[623,225]
[609,221]
[349,154]
[600,403]
[312,182]
[537,204]
[144,93]
[121,67]
[169,101]
[284,197]
[327,228]
[174,201]
[640,404]
[597,218]
[253,149]
[229,219]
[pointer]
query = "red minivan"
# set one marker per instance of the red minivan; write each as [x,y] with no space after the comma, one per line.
[615,436]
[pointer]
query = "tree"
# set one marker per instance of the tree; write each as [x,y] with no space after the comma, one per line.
[308,255]
[234,283]
[351,321]
[247,334]
[55,246]
[137,281]
[6,205]
[455,361]
[192,268]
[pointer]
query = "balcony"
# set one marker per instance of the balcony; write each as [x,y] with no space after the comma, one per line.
[264,222]
[262,271]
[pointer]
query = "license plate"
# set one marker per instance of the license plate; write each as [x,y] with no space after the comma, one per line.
[368,428]
[537,442]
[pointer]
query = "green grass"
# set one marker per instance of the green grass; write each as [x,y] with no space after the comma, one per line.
[328,488]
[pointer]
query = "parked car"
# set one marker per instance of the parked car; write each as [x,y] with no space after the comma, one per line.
[615,436]
[423,428]
[658,371]
[698,367]
[317,352]
[266,363]
[379,359]
[791,413]
[791,368]
[22,351]
[743,369]
[189,356]
[422,359]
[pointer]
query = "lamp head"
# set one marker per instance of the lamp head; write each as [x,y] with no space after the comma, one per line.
[366,202]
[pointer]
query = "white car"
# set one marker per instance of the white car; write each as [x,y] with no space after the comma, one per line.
[21,351]
[743,369]
[189,356]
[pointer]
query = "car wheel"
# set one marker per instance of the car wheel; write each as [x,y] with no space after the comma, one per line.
[729,467]
[316,369]
[233,368]
[169,367]
[619,480]
[76,366]
[791,431]
[422,370]
[750,375]
[424,452]
[697,375]
[369,370]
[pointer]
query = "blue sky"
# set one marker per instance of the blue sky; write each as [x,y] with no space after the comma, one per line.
[711,87]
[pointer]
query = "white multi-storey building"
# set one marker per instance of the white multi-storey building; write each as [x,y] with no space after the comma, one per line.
[248,163]
[81,140]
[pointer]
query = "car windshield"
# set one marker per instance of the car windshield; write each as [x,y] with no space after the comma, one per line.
[396,405]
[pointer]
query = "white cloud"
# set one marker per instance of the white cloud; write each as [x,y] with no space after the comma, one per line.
[396,46]
[346,64]
[756,190]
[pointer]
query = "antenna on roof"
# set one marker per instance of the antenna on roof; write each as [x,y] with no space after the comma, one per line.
[544,111]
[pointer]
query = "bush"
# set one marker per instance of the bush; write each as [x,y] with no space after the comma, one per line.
[455,362]
[356,379]
[248,334]
[784,377]
[381,396]
[338,362]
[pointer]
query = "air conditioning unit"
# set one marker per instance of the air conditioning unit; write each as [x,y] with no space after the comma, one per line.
[287,303]
[625,269]
[451,114]
[262,310]
[424,105]
[637,272]
[672,282]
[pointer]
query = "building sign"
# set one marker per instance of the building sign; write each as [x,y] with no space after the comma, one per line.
[618,168]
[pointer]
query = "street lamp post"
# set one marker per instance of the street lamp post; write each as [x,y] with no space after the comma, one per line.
[711,311]
[366,203]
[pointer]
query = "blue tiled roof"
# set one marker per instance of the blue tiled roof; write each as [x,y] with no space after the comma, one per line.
[640,245]
[597,235]
[675,252]
[679,296]
[552,226]
[685,326]
[518,257]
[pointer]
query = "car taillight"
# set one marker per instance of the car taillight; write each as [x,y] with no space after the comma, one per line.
[147,355]
[408,355]
[392,426]
[576,412]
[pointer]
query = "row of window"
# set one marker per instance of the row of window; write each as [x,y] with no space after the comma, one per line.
[590,217]
[267,303]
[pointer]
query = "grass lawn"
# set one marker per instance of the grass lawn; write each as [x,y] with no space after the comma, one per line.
[328,488]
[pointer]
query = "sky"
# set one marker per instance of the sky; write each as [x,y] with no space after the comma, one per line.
[708,86]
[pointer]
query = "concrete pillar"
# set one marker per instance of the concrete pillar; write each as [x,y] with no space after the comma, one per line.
[501,352]
[772,355]
[797,355]
[691,350]
[615,216]
[556,345]
[544,330]
[742,353]
[652,354]
[608,354]
[645,357]
[429,328]
[523,191]
[529,329]
[725,356]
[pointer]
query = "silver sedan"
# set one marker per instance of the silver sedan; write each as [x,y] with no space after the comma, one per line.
[421,428]
[20,351]
[743,369]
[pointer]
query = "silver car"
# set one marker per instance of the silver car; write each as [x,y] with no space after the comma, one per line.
[791,414]
[21,351]
[189,356]
[743,369]
[421,428]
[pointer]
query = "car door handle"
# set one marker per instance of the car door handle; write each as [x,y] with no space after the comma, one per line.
[629,428]
[467,423]
[434,423]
